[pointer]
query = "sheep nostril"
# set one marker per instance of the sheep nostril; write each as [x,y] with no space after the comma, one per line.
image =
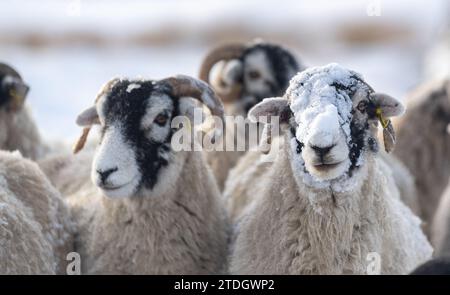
[104,174]
[322,151]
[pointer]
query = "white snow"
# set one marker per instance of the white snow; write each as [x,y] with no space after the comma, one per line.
[311,94]
[327,125]
[133,86]
[321,110]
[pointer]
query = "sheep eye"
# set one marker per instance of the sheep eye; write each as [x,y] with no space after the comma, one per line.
[254,75]
[161,119]
[222,83]
[362,105]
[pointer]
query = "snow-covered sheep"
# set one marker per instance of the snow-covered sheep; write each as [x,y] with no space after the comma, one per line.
[423,146]
[326,205]
[242,75]
[18,130]
[36,232]
[151,209]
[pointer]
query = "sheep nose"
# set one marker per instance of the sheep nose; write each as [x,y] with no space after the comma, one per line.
[104,174]
[322,151]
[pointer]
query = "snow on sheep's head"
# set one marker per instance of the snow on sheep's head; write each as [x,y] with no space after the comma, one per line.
[244,74]
[135,152]
[333,117]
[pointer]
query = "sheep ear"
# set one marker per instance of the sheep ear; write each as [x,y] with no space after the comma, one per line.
[88,117]
[388,106]
[274,106]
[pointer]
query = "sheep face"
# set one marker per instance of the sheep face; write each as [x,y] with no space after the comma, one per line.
[331,137]
[333,120]
[135,138]
[13,90]
[135,153]
[263,70]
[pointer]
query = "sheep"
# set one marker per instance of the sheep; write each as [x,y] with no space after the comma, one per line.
[18,130]
[150,209]
[326,205]
[36,232]
[423,146]
[441,222]
[243,74]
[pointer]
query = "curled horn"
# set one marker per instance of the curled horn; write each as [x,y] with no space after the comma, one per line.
[182,86]
[8,70]
[224,52]
[84,135]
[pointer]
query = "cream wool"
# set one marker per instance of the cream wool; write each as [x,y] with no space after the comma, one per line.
[19,132]
[244,185]
[44,220]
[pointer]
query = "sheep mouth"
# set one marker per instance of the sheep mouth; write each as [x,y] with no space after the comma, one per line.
[110,188]
[326,166]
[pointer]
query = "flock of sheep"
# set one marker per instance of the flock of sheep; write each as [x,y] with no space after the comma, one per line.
[332,200]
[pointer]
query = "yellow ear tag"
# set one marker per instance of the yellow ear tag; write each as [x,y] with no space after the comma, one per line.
[380,117]
[388,131]
[17,100]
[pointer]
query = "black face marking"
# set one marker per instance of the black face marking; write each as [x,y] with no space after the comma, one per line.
[282,65]
[373,144]
[4,92]
[129,108]
[358,135]
[300,145]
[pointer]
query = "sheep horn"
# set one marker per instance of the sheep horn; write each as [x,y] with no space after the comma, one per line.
[182,86]
[8,70]
[224,52]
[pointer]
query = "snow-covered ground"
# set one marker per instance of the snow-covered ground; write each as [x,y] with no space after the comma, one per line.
[64,77]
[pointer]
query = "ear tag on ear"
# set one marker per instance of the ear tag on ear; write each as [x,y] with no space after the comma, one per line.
[17,100]
[388,131]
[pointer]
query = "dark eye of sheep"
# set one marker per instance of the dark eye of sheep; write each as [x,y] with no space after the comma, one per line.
[161,119]
[222,83]
[253,75]
[362,105]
